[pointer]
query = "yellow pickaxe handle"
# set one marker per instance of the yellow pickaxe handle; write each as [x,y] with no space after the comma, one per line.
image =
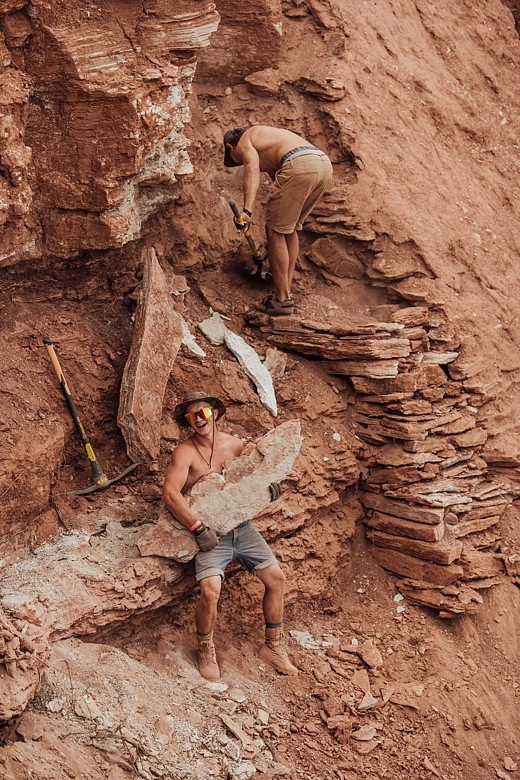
[97,472]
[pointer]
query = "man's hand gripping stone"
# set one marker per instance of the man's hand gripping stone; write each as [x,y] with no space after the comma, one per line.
[205,537]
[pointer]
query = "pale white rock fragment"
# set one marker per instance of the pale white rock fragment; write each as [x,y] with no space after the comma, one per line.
[218,687]
[236,695]
[217,333]
[55,705]
[245,770]
[370,654]
[365,733]
[368,701]
[189,340]
[306,640]
[86,707]
[214,329]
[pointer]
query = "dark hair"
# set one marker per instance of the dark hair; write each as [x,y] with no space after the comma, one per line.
[232,137]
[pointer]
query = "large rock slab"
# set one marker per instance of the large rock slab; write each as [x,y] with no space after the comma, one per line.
[84,582]
[254,30]
[417,514]
[158,335]
[416,569]
[444,552]
[223,501]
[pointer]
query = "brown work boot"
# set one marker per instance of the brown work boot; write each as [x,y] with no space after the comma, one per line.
[208,666]
[275,653]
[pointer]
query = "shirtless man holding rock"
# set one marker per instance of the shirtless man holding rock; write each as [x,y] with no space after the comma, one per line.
[206,451]
[300,172]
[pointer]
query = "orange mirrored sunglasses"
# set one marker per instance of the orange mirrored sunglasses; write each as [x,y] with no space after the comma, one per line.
[204,414]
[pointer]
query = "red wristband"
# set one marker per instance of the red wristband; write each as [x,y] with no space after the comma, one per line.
[195,525]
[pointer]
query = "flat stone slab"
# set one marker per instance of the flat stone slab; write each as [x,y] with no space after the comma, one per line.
[223,501]
[73,586]
[156,341]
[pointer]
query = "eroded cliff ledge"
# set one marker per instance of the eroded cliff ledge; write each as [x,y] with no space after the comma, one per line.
[96,101]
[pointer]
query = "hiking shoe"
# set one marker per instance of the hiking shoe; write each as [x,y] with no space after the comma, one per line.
[274,652]
[275,308]
[207,662]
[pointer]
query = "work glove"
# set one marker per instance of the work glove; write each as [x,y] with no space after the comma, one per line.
[205,537]
[276,489]
[243,221]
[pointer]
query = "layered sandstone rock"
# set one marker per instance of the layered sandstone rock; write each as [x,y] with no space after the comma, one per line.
[432,508]
[254,30]
[74,586]
[18,236]
[97,105]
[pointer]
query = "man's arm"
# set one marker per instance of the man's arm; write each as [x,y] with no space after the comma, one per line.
[174,481]
[251,182]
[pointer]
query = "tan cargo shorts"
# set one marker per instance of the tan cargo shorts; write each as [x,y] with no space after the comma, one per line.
[298,185]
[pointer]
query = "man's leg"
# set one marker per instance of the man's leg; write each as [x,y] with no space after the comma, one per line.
[273,579]
[274,651]
[205,617]
[206,611]
[293,247]
[279,262]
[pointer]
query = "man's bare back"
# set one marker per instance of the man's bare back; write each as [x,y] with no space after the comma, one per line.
[297,188]
[270,144]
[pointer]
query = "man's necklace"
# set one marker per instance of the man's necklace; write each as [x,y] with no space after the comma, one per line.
[207,462]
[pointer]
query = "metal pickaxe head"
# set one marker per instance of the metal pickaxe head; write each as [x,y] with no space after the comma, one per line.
[101,482]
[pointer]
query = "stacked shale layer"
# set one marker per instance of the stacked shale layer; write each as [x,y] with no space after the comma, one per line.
[432,509]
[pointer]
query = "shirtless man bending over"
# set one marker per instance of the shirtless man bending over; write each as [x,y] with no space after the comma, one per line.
[300,173]
[204,452]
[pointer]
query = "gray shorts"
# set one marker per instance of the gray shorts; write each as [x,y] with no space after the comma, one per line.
[244,544]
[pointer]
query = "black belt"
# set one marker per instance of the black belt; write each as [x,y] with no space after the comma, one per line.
[297,151]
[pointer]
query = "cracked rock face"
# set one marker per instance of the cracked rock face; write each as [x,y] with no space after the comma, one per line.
[95,107]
